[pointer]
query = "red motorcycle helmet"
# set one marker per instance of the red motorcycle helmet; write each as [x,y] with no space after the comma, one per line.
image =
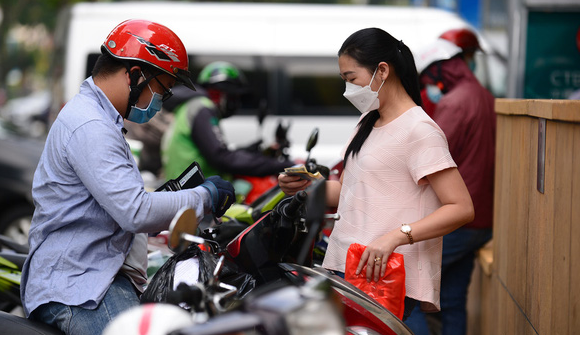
[463,38]
[150,43]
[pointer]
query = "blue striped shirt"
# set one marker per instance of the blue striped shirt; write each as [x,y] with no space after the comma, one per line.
[90,202]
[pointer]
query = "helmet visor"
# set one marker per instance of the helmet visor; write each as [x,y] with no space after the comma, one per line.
[184,77]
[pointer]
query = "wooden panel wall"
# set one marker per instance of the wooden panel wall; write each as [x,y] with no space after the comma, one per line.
[533,288]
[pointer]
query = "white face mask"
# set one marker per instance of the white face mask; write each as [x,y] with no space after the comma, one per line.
[363,98]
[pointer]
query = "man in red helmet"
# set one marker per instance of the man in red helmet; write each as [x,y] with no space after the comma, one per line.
[467,41]
[88,238]
[464,110]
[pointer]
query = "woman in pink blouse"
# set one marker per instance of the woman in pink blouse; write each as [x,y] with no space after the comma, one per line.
[400,190]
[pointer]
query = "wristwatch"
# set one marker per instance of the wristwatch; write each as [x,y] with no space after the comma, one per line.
[405,228]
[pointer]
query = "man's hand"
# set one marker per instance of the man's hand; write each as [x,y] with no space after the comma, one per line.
[222,194]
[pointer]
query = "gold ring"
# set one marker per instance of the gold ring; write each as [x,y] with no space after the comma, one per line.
[378,259]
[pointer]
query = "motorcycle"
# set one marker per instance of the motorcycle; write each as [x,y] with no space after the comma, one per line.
[208,305]
[279,308]
[279,247]
[273,250]
[240,216]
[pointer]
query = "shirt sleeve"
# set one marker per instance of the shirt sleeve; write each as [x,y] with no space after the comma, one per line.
[427,151]
[103,162]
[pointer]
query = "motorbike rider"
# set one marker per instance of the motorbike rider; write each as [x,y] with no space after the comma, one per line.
[465,112]
[196,135]
[467,41]
[88,237]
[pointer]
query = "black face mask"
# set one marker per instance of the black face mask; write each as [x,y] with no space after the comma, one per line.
[229,105]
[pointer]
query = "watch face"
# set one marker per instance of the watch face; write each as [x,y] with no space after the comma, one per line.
[406,228]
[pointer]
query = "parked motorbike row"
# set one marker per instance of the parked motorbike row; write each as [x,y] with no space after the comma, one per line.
[12,257]
[252,274]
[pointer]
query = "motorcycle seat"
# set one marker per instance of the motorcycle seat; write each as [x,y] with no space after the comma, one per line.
[13,324]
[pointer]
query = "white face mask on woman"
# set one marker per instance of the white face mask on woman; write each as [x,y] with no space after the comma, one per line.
[363,98]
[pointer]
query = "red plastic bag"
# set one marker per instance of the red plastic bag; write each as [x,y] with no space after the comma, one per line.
[389,291]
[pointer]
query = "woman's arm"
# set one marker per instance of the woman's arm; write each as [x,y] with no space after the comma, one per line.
[333,188]
[456,210]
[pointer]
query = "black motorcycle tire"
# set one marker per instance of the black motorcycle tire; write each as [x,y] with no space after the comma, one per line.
[15,222]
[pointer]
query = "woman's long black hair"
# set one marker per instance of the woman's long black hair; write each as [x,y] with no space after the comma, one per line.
[368,47]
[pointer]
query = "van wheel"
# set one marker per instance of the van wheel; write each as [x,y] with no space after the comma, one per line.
[15,223]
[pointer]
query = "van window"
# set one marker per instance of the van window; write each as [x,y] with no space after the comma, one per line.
[289,85]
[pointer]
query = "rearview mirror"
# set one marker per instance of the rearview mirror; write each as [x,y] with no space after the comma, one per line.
[312,140]
[182,230]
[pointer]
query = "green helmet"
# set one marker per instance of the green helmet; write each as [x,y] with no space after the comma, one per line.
[223,76]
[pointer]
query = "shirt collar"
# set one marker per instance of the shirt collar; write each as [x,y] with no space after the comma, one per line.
[106,104]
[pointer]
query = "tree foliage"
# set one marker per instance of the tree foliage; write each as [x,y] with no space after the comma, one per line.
[25,12]
[45,12]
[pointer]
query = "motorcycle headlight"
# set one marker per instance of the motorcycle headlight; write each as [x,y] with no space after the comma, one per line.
[315,317]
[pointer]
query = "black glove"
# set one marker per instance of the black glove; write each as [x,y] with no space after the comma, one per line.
[222,194]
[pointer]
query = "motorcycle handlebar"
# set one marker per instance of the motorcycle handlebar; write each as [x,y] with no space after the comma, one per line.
[290,210]
[325,171]
[313,167]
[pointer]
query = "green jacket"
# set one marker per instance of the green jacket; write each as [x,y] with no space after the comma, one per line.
[178,150]
[195,135]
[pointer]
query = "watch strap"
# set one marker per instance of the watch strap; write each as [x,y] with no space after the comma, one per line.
[408,233]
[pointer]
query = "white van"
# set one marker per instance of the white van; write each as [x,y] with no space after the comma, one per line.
[287,51]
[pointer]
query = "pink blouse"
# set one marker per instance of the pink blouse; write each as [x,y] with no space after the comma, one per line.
[382,189]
